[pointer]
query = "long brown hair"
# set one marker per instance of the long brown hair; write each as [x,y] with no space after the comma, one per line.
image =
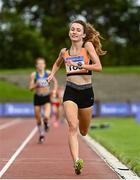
[92,35]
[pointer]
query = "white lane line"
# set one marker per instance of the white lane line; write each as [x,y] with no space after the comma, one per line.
[122,170]
[18,151]
[9,124]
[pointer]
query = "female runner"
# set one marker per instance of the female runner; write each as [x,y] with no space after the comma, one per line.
[39,83]
[80,60]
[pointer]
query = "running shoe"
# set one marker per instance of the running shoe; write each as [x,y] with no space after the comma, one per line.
[46,126]
[41,139]
[79,164]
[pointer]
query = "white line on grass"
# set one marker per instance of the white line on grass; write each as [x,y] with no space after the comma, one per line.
[9,124]
[18,151]
[123,171]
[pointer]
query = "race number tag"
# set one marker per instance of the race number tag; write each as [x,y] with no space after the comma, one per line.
[42,83]
[71,69]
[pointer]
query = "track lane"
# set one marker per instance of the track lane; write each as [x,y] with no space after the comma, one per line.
[52,160]
[12,137]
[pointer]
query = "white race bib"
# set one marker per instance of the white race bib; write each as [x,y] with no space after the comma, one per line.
[71,69]
[42,83]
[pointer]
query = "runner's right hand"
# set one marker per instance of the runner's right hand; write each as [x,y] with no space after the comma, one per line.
[50,77]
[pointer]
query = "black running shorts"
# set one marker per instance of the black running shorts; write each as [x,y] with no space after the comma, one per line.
[41,100]
[83,98]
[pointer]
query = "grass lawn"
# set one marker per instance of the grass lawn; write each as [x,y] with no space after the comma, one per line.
[122,139]
[12,93]
[112,70]
[122,70]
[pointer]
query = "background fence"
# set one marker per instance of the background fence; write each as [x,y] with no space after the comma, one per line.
[99,109]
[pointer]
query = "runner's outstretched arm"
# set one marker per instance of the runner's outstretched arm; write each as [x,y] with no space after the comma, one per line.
[56,65]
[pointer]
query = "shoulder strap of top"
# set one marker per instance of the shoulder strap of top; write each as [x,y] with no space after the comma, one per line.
[66,53]
[83,45]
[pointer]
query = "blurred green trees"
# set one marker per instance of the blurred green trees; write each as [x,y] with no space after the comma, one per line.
[33,28]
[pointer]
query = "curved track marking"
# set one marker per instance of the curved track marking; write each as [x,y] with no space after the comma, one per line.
[9,124]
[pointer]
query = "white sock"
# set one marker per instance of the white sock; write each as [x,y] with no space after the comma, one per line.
[41,130]
[77,159]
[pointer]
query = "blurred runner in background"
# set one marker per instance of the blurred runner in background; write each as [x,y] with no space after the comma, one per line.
[41,87]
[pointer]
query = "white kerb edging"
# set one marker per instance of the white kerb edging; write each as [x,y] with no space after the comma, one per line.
[123,171]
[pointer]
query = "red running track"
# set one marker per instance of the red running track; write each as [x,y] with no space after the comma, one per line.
[50,160]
